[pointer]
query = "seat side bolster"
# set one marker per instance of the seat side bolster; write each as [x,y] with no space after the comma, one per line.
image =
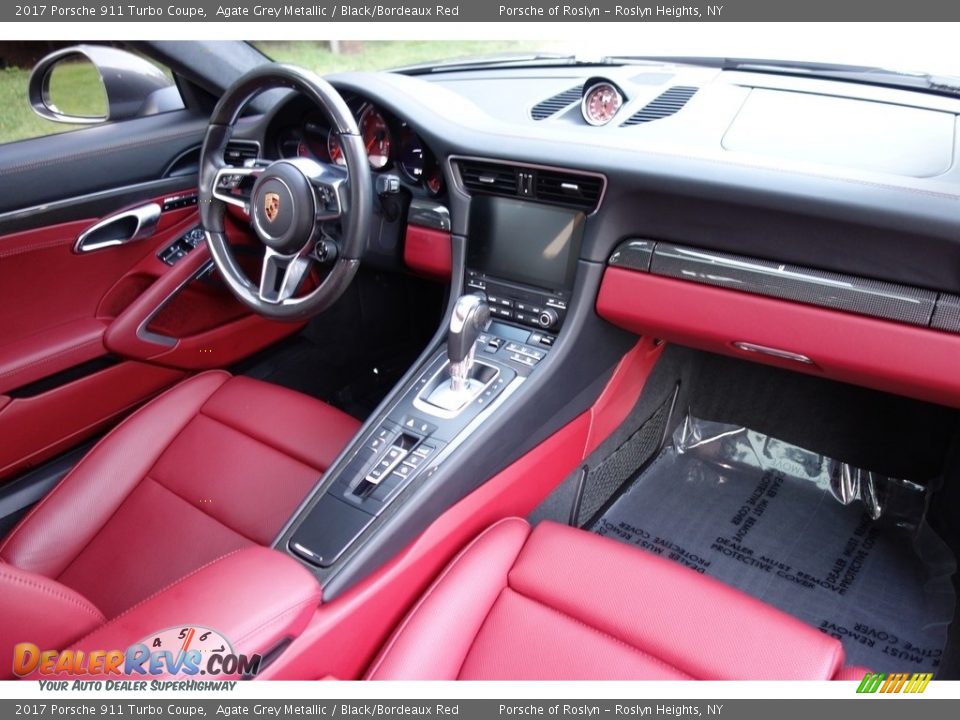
[433,640]
[40,611]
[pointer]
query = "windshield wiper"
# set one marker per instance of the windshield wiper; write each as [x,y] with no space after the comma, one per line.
[532,59]
[865,74]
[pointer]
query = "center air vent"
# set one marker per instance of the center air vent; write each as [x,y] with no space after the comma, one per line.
[490,178]
[664,105]
[580,191]
[556,187]
[551,106]
[239,151]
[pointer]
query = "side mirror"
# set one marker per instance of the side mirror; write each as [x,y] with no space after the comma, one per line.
[90,84]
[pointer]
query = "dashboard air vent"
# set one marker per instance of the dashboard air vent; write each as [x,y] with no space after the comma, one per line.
[664,105]
[551,106]
[556,187]
[580,191]
[239,151]
[489,177]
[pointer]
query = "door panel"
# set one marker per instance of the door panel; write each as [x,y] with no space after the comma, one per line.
[40,427]
[72,361]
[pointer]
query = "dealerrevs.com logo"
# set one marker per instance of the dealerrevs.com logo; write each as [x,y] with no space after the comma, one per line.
[895,683]
[178,651]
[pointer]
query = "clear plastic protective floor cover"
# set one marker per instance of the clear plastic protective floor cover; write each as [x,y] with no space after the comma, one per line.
[843,549]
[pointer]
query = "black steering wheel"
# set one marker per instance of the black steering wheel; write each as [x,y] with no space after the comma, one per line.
[289,202]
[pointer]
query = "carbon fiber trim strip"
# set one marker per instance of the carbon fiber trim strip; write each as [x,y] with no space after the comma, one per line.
[946,315]
[875,298]
[634,254]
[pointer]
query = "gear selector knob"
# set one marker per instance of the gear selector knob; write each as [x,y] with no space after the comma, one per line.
[471,315]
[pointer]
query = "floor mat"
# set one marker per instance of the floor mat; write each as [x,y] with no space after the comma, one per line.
[844,550]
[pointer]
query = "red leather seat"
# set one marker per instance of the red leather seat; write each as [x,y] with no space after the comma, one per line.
[215,464]
[561,603]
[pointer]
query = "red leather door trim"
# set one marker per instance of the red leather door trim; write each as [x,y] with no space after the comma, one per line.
[37,356]
[893,357]
[37,428]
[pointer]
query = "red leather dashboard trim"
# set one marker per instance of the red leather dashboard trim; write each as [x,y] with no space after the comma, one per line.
[893,357]
[428,251]
[346,633]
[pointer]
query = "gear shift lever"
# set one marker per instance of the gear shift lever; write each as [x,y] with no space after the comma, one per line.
[471,315]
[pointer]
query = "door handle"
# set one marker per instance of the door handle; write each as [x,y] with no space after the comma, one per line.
[124,227]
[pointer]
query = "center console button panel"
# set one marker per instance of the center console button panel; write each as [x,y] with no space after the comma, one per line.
[411,440]
[524,304]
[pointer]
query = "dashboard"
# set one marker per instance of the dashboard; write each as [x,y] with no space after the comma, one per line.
[854,187]
[828,175]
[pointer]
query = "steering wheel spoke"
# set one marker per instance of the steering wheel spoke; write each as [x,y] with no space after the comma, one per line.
[282,275]
[229,182]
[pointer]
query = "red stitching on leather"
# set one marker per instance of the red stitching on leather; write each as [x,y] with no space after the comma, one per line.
[313,600]
[433,586]
[158,592]
[59,242]
[206,514]
[107,438]
[607,635]
[77,601]
[50,358]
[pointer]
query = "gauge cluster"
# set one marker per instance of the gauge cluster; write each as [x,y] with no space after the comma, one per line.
[390,143]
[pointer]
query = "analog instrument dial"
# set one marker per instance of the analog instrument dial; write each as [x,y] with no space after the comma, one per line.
[376,137]
[601,103]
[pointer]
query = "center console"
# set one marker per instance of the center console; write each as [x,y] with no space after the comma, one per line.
[520,264]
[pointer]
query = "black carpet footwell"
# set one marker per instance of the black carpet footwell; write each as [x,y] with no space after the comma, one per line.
[764,516]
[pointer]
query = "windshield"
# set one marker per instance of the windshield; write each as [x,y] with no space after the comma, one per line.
[923,48]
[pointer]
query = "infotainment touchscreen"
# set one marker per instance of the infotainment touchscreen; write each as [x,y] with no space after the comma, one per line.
[524,242]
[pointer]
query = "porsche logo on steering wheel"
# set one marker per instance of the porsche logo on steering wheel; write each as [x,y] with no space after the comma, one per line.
[271,205]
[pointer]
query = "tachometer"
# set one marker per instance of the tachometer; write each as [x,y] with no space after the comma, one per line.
[376,138]
[335,149]
[601,103]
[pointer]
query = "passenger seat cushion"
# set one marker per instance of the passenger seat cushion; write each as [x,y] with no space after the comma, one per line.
[562,603]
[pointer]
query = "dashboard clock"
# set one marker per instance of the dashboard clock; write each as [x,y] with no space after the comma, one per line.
[600,103]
